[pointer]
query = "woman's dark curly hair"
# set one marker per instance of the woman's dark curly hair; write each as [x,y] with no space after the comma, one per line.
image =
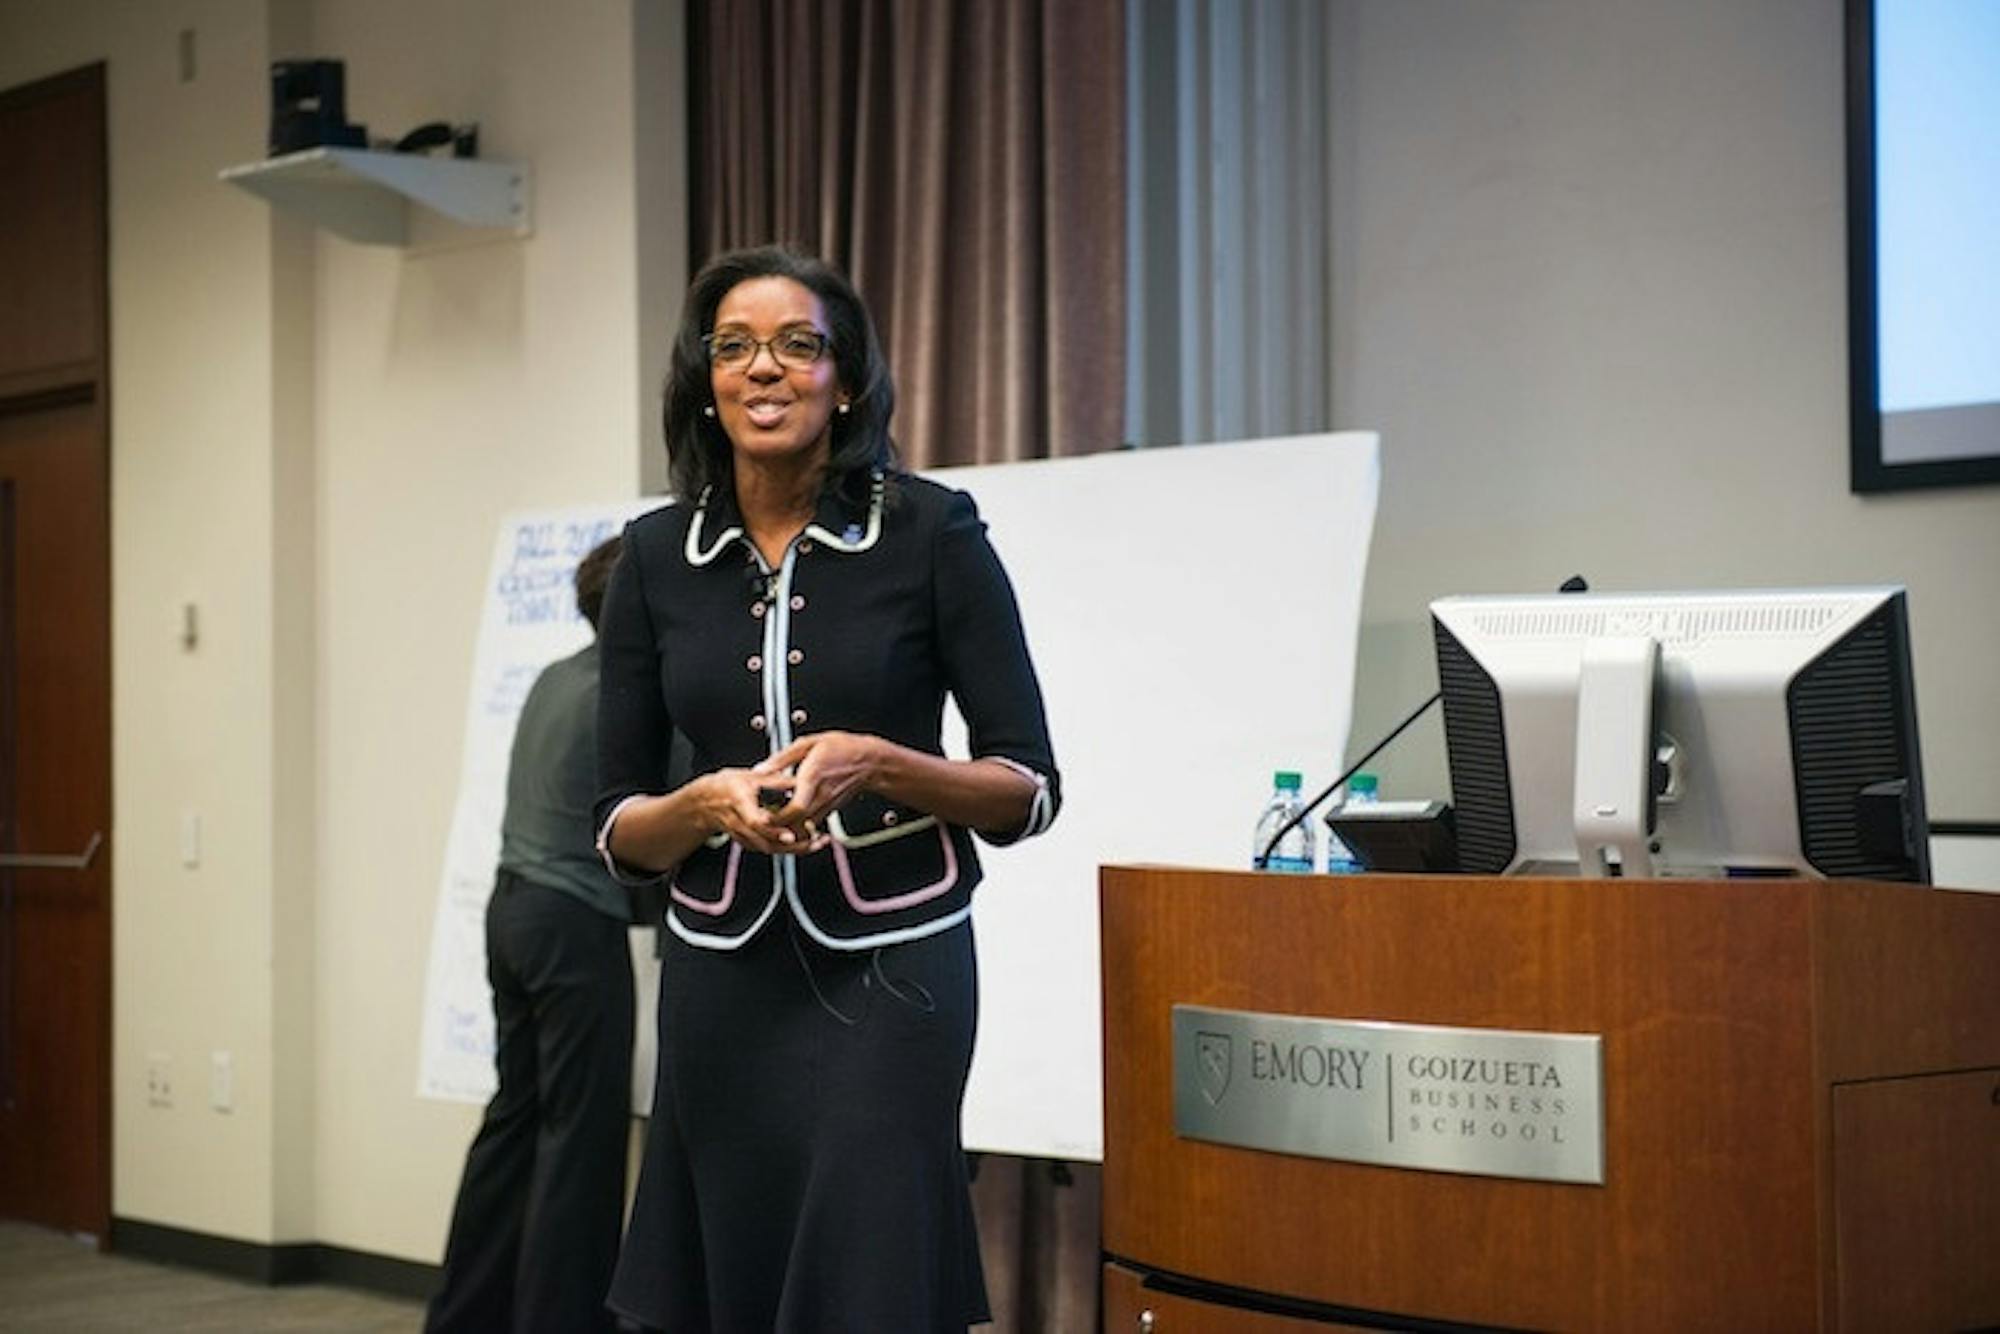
[698,451]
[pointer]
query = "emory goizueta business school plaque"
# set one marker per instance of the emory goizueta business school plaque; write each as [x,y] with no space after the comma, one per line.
[1480,1101]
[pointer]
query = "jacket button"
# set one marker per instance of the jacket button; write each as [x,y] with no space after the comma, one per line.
[796,656]
[754,663]
[889,817]
[756,722]
[798,602]
[756,609]
[805,548]
[798,716]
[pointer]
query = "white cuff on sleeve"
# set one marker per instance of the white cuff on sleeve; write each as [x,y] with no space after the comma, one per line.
[611,864]
[1041,811]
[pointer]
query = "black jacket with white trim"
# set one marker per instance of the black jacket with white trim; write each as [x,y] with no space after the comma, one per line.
[872,617]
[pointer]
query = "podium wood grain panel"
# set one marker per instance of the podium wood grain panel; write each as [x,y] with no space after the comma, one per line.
[1917,1200]
[1715,1000]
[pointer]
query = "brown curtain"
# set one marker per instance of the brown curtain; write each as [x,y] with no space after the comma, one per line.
[1040,1230]
[964,162]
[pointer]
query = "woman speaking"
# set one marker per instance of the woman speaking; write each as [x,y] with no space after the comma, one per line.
[800,615]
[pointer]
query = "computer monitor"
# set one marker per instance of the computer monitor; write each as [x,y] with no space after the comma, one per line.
[1684,734]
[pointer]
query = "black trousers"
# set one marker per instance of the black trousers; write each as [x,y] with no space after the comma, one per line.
[535,1232]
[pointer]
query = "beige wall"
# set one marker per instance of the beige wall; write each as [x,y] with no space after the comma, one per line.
[315,442]
[1591,288]
[453,386]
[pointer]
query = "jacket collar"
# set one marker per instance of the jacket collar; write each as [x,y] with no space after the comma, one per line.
[843,527]
[835,524]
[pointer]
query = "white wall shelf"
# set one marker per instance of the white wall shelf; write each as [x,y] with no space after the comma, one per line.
[364,194]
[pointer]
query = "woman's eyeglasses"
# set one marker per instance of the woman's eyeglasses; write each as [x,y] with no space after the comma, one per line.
[793,349]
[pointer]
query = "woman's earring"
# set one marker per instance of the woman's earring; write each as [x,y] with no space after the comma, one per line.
[708,411]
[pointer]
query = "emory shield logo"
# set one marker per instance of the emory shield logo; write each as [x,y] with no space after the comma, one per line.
[1212,1052]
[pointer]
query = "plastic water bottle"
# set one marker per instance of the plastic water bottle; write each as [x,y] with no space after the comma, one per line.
[1295,850]
[1340,859]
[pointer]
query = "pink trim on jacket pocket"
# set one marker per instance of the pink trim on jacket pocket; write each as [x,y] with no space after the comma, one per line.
[909,900]
[721,905]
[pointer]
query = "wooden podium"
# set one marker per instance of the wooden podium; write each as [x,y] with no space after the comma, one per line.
[1801,1105]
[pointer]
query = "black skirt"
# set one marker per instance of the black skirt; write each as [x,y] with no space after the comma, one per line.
[803,1169]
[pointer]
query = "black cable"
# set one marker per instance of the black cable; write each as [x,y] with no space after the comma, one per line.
[1264,857]
[1574,584]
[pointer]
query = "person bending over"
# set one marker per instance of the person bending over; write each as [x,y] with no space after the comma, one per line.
[535,1231]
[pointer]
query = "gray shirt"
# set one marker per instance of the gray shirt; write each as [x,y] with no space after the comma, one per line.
[547,836]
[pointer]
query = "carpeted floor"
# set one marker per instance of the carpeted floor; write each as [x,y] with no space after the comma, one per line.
[50,1283]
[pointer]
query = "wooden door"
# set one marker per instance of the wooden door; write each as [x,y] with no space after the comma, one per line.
[55,659]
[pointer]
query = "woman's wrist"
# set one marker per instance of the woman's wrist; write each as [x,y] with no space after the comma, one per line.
[898,773]
[878,758]
[711,798]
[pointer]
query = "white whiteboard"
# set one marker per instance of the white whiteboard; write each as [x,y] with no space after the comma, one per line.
[1193,614]
[527,620]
